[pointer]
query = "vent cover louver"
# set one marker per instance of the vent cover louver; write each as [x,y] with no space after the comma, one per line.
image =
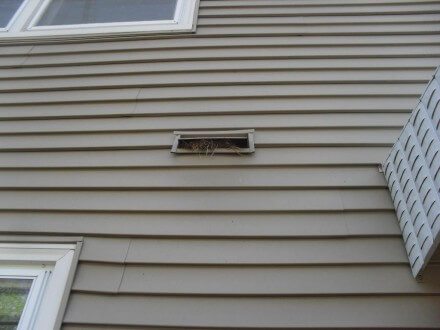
[413,173]
[214,142]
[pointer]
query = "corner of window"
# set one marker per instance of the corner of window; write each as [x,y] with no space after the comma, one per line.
[61,20]
[35,279]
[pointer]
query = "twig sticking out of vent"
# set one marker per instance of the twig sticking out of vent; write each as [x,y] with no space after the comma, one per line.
[214,142]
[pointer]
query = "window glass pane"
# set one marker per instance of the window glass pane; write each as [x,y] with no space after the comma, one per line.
[13,295]
[64,12]
[7,10]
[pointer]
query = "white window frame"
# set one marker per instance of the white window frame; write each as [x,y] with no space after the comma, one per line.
[39,276]
[14,17]
[50,265]
[23,24]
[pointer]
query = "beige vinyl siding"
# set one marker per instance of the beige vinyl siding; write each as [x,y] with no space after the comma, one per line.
[244,251]
[205,201]
[221,122]
[272,312]
[207,224]
[234,280]
[285,76]
[301,234]
[161,158]
[297,105]
[196,178]
[164,140]
[228,53]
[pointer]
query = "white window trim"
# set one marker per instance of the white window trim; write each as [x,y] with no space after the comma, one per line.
[14,17]
[52,265]
[23,24]
[40,276]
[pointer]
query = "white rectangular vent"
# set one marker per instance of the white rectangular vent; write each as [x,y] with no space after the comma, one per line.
[214,142]
[413,173]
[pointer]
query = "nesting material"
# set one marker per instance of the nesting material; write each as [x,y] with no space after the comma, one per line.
[214,142]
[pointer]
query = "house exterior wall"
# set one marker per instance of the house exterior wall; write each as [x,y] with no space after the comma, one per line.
[301,234]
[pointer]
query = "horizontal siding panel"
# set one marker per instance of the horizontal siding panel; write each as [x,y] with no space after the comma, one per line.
[256,224]
[250,105]
[15,50]
[330,29]
[224,9]
[234,178]
[279,91]
[164,140]
[230,66]
[273,121]
[212,92]
[46,111]
[220,200]
[247,251]
[107,277]
[318,20]
[216,78]
[70,96]
[239,52]
[306,3]
[252,280]
[196,41]
[110,250]
[163,158]
[12,60]
[294,104]
[337,312]
[98,327]
[272,252]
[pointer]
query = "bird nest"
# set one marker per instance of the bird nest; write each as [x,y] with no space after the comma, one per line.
[211,146]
